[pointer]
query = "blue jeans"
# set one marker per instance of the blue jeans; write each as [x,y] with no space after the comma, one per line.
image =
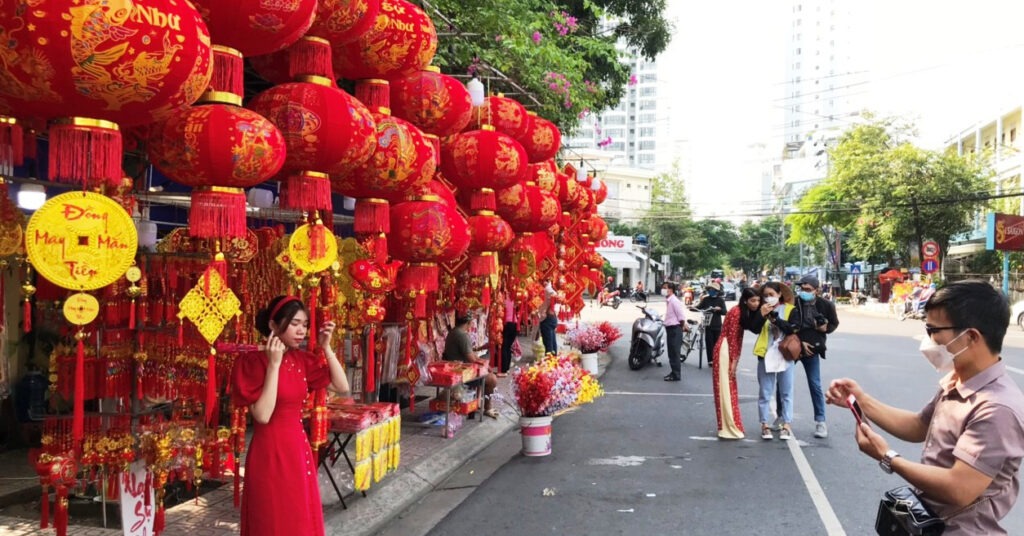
[812,366]
[547,334]
[767,382]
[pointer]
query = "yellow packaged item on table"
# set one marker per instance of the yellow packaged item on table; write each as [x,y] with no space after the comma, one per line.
[363,444]
[363,475]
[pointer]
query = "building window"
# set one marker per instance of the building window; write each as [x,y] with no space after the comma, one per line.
[648,132]
[1013,135]
[647,145]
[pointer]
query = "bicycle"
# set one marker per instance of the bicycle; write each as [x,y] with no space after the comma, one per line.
[694,336]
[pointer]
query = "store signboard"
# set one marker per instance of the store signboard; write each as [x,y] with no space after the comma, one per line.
[615,243]
[1005,232]
[137,510]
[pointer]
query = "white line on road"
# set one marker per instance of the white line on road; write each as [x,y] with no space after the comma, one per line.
[828,516]
[701,395]
[1014,369]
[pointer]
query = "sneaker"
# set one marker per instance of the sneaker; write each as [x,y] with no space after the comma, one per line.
[821,430]
[786,433]
[766,433]
[672,377]
[777,425]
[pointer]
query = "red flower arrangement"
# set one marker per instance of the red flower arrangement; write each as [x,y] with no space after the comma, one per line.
[611,334]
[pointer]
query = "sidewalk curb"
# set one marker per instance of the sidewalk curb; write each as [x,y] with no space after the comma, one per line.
[395,495]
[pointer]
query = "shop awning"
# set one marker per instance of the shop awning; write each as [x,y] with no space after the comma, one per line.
[620,259]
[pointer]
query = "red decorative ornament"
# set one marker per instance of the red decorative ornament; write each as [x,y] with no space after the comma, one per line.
[483,159]
[128,66]
[343,21]
[402,162]
[544,174]
[257,27]
[427,230]
[507,116]
[402,40]
[434,102]
[542,140]
[528,208]
[598,228]
[601,194]
[488,235]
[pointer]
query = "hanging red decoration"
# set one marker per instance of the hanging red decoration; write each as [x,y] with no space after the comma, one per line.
[542,140]
[257,27]
[544,174]
[342,21]
[598,228]
[434,102]
[427,230]
[528,208]
[483,159]
[402,40]
[507,116]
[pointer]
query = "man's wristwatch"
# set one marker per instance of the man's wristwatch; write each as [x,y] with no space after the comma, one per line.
[886,462]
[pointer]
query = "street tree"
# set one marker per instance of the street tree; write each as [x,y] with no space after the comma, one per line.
[760,247]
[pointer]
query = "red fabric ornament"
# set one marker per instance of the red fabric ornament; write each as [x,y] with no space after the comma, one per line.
[436,103]
[601,194]
[257,27]
[507,116]
[372,278]
[228,71]
[483,159]
[402,40]
[528,208]
[545,175]
[402,162]
[598,229]
[427,230]
[342,21]
[324,128]
[542,140]
[307,190]
[488,232]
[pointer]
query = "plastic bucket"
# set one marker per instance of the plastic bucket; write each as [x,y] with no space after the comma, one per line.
[536,432]
[588,362]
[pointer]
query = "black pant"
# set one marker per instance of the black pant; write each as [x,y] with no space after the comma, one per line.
[508,338]
[710,338]
[674,340]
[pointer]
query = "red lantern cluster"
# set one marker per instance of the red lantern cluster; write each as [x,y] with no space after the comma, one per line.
[434,102]
[256,27]
[402,40]
[528,208]
[542,140]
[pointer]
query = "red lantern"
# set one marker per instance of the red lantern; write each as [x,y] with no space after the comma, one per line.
[488,235]
[483,159]
[257,27]
[342,21]
[527,208]
[507,116]
[427,230]
[131,65]
[436,103]
[402,162]
[601,193]
[545,175]
[403,40]
[542,140]
[598,228]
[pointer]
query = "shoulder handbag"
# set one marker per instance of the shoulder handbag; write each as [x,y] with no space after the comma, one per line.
[901,513]
[790,346]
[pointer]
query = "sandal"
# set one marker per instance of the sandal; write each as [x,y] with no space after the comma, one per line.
[492,413]
[766,433]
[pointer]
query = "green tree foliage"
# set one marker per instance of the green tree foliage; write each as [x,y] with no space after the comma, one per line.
[759,247]
[555,50]
[886,195]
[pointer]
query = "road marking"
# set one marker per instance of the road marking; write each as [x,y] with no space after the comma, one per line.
[707,438]
[1014,369]
[828,516]
[700,395]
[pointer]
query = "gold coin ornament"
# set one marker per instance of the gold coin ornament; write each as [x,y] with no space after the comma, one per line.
[299,250]
[81,309]
[133,274]
[81,241]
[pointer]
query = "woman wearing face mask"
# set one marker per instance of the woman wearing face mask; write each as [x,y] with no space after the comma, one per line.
[713,302]
[281,494]
[726,359]
[776,310]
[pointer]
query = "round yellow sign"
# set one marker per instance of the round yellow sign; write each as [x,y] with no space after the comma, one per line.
[81,240]
[81,308]
[133,275]
[299,250]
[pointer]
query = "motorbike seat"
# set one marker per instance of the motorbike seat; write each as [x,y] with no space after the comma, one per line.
[692,322]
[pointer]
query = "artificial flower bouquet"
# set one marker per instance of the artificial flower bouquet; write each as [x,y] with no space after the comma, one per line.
[552,384]
[589,338]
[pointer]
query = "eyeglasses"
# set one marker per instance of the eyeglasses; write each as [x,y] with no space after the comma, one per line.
[932,330]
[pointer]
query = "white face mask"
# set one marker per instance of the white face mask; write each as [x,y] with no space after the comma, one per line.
[938,354]
[664,292]
[771,300]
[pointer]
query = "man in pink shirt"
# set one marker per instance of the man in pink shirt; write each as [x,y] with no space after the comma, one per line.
[973,428]
[675,323]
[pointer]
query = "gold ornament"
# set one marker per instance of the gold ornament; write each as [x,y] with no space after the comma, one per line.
[210,305]
[81,308]
[299,250]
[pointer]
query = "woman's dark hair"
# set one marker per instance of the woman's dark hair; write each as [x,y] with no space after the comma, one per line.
[745,312]
[282,317]
[974,304]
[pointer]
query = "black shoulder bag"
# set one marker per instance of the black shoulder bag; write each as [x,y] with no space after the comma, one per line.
[901,513]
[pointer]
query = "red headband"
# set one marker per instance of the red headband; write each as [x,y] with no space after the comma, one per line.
[284,301]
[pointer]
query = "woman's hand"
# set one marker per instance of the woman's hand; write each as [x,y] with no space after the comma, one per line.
[323,337]
[275,350]
[765,309]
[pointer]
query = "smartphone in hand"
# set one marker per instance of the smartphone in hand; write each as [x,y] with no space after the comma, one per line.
[851,402]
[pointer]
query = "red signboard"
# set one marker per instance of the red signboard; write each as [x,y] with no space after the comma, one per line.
[1005,232]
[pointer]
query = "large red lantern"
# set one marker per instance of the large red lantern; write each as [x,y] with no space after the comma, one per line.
[542,140]
[483,159]
[598,228]
[601,194]
[402,40]
[402,162]
[544,174]
[123,62]
[434,102]
[342,21]
[427,230]
[257,27]
[489,234]
[528,208]
[218,149]
[507,116]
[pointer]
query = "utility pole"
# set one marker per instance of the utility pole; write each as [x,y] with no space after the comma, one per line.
[917,230]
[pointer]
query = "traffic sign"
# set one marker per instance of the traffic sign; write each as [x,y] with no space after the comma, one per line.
[930,266]
[855,269]
[930,249]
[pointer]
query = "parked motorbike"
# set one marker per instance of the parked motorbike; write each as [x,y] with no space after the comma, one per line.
[637,296]
[648,339]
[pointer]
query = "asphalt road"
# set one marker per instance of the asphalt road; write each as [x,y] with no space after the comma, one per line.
[644,459]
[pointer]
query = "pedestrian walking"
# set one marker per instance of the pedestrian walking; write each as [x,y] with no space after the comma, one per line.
[772,369]
[726,359]
[972,429]
[817,319]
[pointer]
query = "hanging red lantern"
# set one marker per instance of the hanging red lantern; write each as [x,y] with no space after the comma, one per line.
[257,27]
[436,103]
[601,194]
[489,234]
[569,190]
[122,67]
[506,115]
[427,230]
[598,228]
[402,40]
[544,175]
[483,159]
[542,140]
[528,208]
[342,21]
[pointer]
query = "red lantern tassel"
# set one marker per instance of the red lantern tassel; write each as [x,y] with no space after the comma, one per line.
[372,216]
[370,364]
[318,241]
[310,56]
[313,299]
[375,94]
[483,265]
[44,521]
[78,420]
[211,388]
[12,148]
[27,320]
[60,516]
[158,519]
[181,332]
[420,305]
[85,151]
[485,296]
[307,190]
[31,144]
[482,199]
[217,212]
[131,315]
[419,276]
[228,71]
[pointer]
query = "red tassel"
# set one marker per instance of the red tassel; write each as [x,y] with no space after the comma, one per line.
[310,56]
[78,421]
[317,241]
[482,199]
[181,332]
[211,389]
[217,212]
[375,94]
[313,299]
[60,516]
[307,190]
[409,345]
[112,489]
[485,296]
[131,315]
[420,276]
[483,265]
[238,483]
[44,521]
[12,149]
[85,151]
[27,320]
[370,364]
[228,71]
[372,216]
[158,520]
